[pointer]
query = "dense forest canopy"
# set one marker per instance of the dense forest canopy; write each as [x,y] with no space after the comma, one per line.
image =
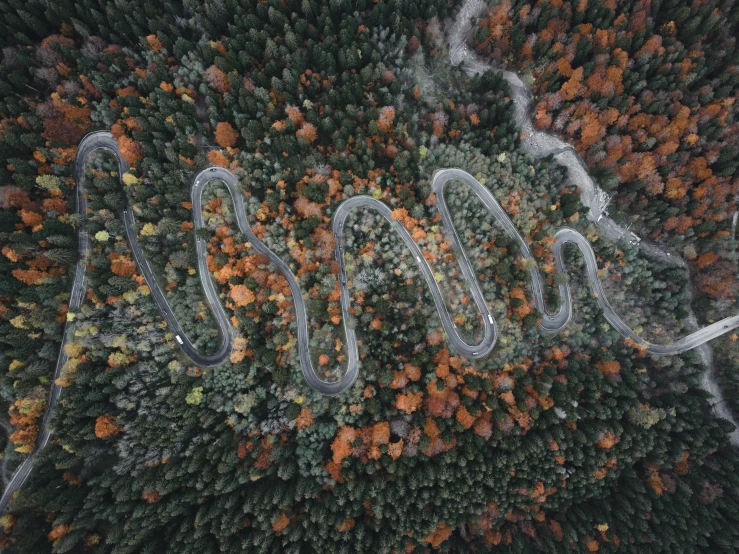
[578,442]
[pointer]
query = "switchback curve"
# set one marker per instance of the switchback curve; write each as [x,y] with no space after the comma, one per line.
[550,323]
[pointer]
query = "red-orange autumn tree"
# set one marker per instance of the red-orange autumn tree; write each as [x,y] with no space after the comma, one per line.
[226,135]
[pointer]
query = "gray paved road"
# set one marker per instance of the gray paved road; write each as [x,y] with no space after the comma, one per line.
[550,323]
[553,323]
[103,140]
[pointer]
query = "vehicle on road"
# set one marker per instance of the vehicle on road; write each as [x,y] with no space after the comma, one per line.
[551,323]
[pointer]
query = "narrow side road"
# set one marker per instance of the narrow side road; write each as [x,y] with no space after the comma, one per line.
[540,145]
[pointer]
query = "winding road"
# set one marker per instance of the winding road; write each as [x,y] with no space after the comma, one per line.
[550,323]
[540,145]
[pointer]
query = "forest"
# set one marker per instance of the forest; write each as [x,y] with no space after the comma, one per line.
[577,442]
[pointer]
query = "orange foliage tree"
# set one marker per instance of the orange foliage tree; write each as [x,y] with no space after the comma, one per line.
[129,149]
[307,132]
[438,535]
[217,79]
[386,118]
[105,427]
[226,135]
[154,43]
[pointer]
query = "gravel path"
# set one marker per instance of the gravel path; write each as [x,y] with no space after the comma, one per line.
[541,145]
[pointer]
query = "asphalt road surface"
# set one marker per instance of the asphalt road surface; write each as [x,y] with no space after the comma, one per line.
[550,323]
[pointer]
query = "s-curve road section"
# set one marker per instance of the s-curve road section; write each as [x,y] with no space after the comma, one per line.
[550,323]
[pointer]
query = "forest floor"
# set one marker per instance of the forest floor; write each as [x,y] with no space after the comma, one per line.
[540,145]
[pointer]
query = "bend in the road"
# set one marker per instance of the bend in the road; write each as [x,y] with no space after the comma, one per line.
[550,323]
